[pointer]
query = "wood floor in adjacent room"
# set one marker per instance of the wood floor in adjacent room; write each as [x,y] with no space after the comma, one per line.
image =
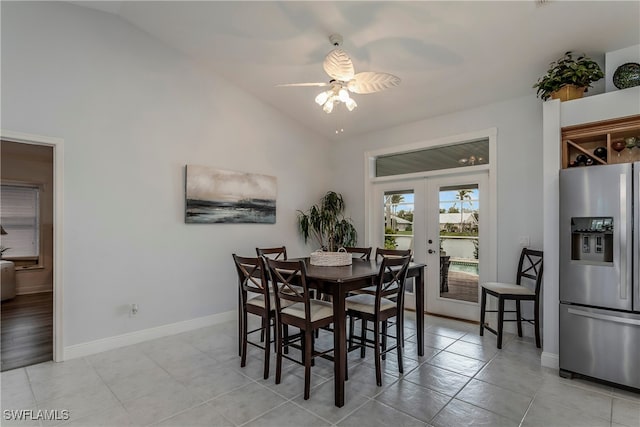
[26,330]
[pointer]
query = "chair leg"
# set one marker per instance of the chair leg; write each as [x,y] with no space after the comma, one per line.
[500,320]
[285,333]
[401,336]
[536,323]
[483,300]
[376,339]
[313,347]
[399,346]
[363,338]
[243,337]
[385,328]
[307,363]
[240,322]
[352,325]
[267,347]
[279,351]
[519,317]
[264,326]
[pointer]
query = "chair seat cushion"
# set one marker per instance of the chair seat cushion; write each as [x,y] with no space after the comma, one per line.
[371,290]
[319,310]
[366,303]
[507,288]
[258,301]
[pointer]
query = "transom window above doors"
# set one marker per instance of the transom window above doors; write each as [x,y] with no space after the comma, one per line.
[469,153]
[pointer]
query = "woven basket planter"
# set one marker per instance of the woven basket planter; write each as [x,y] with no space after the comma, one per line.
[331,259]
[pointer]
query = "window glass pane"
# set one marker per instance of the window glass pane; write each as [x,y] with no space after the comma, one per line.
[430,159]
[19,216]
[398,223]
[459,242]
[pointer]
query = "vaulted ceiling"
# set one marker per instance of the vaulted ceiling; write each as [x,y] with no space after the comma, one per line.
[450,55]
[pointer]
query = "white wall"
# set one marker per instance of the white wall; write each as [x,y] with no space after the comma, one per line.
[132,112]
[519,167]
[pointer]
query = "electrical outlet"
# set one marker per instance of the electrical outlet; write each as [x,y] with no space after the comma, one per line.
[523,241]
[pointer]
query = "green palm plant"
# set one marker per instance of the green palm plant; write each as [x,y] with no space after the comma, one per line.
[462,196]
[326,223]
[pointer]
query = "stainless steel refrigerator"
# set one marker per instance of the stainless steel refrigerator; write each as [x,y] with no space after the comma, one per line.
[599,273]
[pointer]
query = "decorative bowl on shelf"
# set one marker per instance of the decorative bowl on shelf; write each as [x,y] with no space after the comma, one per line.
[627,75]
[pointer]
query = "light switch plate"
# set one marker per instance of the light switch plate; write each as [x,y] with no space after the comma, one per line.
[524,241]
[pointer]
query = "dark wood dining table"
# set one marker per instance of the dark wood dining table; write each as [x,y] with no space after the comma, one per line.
[338,282]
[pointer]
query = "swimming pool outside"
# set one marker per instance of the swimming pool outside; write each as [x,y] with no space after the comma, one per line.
[464,266]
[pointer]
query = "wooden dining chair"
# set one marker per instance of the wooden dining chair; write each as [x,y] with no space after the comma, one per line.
[255,299]
[381,253]
[295,307]
[279,252]
[530,268]
[388,302]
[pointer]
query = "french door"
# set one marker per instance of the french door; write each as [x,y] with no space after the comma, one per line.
[440,219]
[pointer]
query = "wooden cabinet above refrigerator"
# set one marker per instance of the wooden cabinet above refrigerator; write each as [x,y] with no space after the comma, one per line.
[601,143]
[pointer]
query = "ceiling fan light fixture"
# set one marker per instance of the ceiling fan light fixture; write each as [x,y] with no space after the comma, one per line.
[343,95]
[328,106]
[338,65]
[350,104]
[323,97]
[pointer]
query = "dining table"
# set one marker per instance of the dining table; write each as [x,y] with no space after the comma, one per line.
[338,282]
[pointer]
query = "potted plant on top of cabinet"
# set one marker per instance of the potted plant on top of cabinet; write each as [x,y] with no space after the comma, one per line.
[568,77]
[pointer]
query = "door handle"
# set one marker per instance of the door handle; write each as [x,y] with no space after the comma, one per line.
[623,237]
[431,251]
[604,317]
[430,241]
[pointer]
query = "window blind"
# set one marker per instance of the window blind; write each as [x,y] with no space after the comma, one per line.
[19,215]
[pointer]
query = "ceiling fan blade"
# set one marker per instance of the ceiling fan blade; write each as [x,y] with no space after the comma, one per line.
[338,65]
[370,82]
[302,84]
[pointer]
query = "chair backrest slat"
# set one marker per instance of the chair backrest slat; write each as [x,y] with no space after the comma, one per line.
[279,253]
[289,282]
[364,253]
[251,276]
[381,252]
[391,279]
[530,267]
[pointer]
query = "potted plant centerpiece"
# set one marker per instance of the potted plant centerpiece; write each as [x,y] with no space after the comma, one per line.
[327,225]
[568,78]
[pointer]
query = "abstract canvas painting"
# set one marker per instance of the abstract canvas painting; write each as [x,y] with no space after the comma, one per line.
[223,196]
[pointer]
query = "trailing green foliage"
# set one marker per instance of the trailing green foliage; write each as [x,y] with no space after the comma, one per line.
[581,72]
[326,223]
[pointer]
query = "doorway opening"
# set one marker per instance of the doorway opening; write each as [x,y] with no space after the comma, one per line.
[33,163]
[26,216]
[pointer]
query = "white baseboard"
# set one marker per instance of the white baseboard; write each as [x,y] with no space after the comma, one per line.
[110,343]
[550,360]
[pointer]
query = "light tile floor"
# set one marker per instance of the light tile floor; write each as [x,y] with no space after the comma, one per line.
[195,379]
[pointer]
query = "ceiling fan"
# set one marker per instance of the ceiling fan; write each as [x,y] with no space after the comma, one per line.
[337,64]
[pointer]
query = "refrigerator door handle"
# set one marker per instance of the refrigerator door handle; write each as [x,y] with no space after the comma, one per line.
[623,236]
[604,317]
